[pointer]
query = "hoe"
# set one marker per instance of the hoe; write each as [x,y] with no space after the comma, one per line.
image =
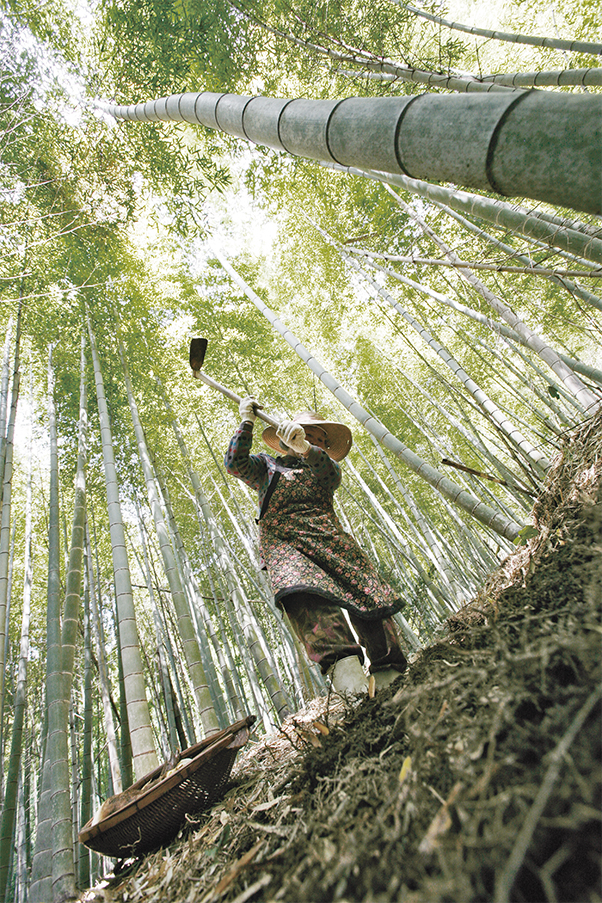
[198,349]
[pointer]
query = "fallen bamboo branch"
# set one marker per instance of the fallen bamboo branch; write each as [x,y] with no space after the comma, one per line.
[486,476]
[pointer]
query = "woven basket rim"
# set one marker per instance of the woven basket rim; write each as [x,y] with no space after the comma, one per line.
[201,753]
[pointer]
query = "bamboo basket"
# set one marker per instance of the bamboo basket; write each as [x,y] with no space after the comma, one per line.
[155,808]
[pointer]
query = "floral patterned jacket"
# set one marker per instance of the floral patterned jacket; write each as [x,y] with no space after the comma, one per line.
[262,471]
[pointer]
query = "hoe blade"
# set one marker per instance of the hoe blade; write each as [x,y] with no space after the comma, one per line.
[198,348]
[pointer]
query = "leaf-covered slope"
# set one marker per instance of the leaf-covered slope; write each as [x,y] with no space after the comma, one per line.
[475,777]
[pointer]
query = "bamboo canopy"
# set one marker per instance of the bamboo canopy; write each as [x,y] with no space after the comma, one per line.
[532,144]
[402,294]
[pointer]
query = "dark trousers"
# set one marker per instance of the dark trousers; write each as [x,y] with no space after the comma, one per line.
[325,634]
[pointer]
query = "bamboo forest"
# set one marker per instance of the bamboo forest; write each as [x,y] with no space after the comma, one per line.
[386,216]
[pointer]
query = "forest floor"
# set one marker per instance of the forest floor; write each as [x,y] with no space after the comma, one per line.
[475,777]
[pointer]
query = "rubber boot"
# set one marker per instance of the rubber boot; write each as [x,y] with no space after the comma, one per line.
[382,679]
[347,676]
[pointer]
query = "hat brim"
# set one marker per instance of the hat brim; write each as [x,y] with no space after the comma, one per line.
[338,436]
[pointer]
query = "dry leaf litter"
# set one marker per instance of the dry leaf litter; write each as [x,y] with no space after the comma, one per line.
[475,777]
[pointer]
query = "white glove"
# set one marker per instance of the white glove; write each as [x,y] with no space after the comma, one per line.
[293,435]
[248,407]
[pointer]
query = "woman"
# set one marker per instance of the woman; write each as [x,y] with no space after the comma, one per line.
[315,567]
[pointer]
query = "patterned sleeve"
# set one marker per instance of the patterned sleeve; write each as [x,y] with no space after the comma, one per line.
[327,471]
[251,469]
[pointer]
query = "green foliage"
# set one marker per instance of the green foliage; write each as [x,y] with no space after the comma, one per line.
[52,23]
[116,216]
[527,533]
[164,46]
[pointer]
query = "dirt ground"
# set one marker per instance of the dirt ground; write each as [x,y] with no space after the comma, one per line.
[476,777]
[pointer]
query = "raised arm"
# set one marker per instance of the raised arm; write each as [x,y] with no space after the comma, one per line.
[251,469]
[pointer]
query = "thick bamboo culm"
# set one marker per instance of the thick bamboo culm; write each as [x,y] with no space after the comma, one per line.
[540,145]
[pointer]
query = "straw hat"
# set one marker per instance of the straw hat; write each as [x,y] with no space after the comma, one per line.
[338,436]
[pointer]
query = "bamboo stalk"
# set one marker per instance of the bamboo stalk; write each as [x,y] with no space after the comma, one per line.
[515,38]
[185,626]
[9,809]
[4,398]
[557,78]
[95,629]
[40,889]
[572,287]
[370,61]
[495,211]
[536,144]
[140,732]
[60,682]
[447,488]
[491,409]
[586,398]
[532,270]
[6,502]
